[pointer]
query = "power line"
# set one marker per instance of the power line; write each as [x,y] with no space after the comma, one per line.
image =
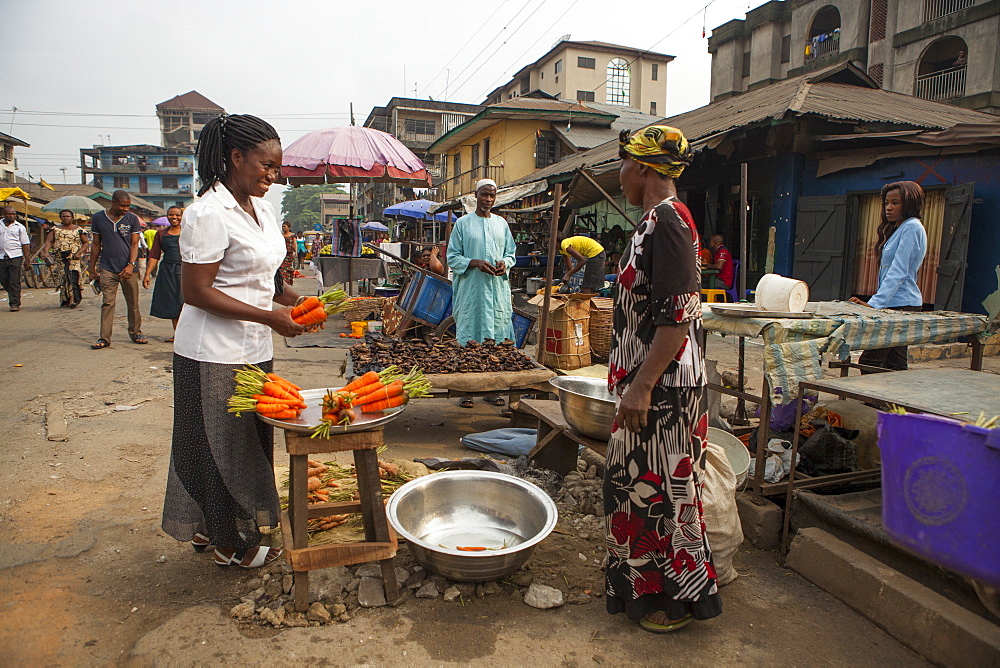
[495,37]
[303,116]
[518,59]
[462,48]
[516,30]
[643,53]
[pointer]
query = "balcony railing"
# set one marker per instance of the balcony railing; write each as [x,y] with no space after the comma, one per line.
[935,9]
[133,168]
[945,85]
[823,45]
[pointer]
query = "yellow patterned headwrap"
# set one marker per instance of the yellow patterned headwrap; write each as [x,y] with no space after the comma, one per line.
[660,147]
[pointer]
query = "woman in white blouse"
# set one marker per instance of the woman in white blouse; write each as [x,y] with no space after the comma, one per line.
[220,488]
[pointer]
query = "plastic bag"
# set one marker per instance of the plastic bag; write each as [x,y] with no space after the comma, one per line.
[830,450]
[778,461]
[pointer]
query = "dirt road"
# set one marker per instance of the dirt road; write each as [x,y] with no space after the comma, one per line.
[88,577]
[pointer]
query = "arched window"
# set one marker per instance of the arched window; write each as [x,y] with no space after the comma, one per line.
[618,82]
[941,72]
[824,33]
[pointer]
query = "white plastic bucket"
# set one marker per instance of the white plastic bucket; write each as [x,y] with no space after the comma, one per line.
[777,293]
[736,453]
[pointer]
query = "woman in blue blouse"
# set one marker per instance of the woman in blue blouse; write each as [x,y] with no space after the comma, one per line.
[901,247]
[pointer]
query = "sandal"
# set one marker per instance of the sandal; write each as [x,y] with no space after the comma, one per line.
[653,627]
[170,340]
[138,338]
[200,542]
[101,343]
[466,402]
[259,555]
[496,401]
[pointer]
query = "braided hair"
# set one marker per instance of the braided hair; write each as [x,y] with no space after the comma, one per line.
[218,139]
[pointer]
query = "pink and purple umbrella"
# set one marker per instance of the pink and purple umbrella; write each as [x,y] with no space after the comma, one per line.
[352,155]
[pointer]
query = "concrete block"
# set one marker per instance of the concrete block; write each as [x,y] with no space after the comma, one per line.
[942,631]
[56,428]
[761,521]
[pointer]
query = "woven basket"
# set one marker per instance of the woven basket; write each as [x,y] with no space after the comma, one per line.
[601,315]
[361,308]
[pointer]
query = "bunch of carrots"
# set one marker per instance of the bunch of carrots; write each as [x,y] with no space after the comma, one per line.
[370,393]
[312,311]
[265,393]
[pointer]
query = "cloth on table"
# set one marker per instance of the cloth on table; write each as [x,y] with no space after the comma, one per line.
[794,348]
[511,442]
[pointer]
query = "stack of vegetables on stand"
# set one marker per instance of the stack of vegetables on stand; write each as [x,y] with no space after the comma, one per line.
[374,391]
[266,393]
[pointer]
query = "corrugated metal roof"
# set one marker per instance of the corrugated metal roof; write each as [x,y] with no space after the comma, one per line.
[190,100]
[803,95]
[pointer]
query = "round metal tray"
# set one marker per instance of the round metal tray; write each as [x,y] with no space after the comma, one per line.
[309,418]
[751,311]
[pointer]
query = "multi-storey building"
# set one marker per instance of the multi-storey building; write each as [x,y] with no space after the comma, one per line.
[594,72]
[182,117]
[334,206]
[8,164]
[942,50]
[163,176]
[416,123]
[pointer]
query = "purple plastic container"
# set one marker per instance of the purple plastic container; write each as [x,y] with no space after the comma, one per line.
[941,491]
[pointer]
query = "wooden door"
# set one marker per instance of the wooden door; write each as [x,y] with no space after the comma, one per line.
[143,184]
[822,238]
[954,247]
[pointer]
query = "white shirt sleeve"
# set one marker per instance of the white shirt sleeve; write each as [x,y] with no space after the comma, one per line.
[204,235]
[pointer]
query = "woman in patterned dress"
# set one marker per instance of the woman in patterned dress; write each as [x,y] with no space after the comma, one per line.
[69,241]
[659,568]
[287,268]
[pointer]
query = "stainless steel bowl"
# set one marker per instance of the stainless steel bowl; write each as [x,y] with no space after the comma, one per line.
[586,404]
[441,512]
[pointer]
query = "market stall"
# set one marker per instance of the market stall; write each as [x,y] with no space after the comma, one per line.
[794,350]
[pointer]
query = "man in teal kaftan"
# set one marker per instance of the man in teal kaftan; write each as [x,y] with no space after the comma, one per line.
[480,254]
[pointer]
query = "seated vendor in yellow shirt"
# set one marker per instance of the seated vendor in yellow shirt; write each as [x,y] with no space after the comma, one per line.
[579,252]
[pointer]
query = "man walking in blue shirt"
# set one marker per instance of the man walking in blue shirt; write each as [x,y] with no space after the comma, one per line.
[116,246]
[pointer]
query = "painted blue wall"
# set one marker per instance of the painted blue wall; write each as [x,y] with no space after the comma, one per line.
[981,169]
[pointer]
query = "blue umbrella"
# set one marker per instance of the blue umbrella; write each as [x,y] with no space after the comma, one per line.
[414,209]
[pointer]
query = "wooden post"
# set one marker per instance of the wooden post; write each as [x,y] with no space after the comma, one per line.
[743,232]
[543,320]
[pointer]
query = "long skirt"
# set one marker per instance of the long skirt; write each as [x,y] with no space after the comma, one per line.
[167,300]
[658,554]
[221,479]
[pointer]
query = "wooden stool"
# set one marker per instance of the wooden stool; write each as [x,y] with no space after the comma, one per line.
[712,295]
[380,540]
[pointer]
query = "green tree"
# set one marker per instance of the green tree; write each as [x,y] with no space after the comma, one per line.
[302,207]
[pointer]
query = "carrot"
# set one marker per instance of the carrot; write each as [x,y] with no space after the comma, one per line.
[282,381]
[290,403]
[347,416]
[272,389]
[368,389]
[306,305]
[271,409]
[283,415]
[367,379]
[313,317]
[383,404]
[312,484]
[391,390]
[469,549]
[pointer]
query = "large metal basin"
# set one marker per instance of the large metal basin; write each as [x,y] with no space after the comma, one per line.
[441,512]
[586,405]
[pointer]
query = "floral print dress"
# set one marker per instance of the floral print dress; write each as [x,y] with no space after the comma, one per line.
[658,554]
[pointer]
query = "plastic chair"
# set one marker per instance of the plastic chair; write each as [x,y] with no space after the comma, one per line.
[713,296]
[734,292]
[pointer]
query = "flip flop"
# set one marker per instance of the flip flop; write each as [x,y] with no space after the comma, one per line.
[653,627]
[101,343]
[138,338]
[496,401]
[263,556]
[466,402]
[170,340]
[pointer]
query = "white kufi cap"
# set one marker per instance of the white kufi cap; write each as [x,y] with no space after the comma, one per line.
[485,182]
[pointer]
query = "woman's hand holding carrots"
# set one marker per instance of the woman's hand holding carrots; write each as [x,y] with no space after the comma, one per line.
[280,320]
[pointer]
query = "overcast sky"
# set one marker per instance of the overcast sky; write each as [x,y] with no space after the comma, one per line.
[86,73]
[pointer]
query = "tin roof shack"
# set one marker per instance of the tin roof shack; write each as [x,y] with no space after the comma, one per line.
[820,147]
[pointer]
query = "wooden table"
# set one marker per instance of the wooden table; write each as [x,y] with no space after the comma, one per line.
[557,444]
[961,394]
[380,540]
